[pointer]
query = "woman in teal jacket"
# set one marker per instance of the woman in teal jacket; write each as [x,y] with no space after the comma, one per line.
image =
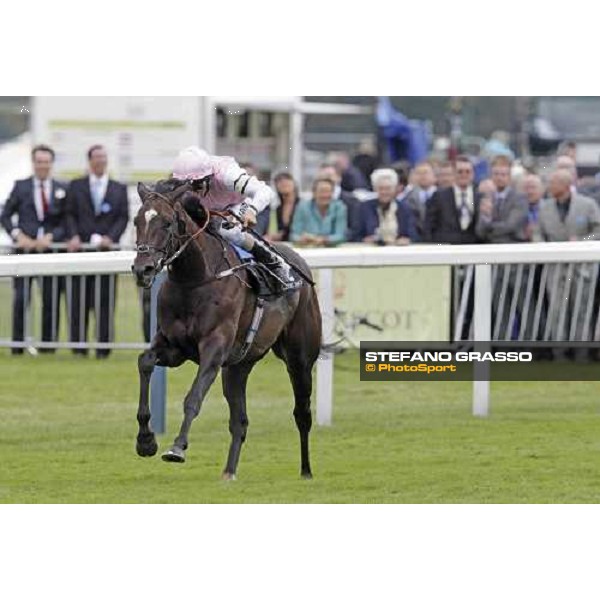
[321,221]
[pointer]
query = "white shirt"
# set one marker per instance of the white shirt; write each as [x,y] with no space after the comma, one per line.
[102,182]
[458,192]
[37,199]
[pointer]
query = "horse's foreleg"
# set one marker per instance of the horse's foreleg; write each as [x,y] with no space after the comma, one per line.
[165,356]
[146,442]
[234,390]
[211,358]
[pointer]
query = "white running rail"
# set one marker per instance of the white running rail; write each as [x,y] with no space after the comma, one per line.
[482,256]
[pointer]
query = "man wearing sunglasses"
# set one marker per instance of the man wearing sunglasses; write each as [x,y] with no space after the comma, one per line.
[450,218]
[452,212]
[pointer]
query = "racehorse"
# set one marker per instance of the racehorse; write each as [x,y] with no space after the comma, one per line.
[206,309]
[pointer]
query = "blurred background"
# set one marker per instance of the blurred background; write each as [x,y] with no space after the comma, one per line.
[293,142]
[294,133]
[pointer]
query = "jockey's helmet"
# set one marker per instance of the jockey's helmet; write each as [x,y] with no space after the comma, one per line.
[192,163]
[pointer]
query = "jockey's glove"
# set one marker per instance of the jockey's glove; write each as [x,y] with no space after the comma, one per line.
[243,209]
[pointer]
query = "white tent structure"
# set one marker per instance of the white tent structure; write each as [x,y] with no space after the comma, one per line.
[15,163]
[142,133]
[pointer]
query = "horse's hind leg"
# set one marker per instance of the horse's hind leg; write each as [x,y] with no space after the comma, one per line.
[299,346]
[300,372]
[234,389]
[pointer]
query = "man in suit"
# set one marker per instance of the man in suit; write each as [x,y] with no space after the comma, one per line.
[503,214]
[534,191]
[568,216]
[450,218]
[503,220]
[452,212]
[97,213]
[421,194]
[34,216]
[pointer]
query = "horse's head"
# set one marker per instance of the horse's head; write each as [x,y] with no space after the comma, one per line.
[161,229]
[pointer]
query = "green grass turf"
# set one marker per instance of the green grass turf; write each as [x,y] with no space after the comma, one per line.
[67,434]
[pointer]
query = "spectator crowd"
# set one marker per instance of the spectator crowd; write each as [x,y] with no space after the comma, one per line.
[92,213]
[356,201]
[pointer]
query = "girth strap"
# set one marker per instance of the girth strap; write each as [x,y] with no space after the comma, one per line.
[259,309]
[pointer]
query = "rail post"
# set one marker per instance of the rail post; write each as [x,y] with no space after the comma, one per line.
[482,333]
[325,362]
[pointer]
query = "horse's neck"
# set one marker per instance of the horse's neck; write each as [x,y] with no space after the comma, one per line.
[193,263]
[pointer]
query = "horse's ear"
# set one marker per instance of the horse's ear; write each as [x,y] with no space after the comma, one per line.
[142,190]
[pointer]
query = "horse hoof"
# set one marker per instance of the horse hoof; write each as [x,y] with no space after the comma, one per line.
[228,477]
[174,455]
[146,447]
[307,475]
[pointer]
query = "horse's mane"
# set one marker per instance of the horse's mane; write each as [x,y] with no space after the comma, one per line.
[172,188]
[173,191]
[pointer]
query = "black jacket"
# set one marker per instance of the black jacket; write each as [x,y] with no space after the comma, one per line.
[82,219]
[21,203]
[442,219]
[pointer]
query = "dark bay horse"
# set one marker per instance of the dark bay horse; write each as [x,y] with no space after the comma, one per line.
[206,320]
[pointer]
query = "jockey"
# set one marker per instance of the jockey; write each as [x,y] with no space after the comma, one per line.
[222,185]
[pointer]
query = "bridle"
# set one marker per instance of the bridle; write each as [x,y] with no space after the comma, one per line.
[167,253]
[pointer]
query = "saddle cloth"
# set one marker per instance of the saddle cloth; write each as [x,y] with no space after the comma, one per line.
[243,254]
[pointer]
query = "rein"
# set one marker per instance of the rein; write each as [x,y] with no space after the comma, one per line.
[190,239]
[166,261]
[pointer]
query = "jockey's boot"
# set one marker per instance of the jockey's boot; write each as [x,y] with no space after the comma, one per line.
[282,271]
